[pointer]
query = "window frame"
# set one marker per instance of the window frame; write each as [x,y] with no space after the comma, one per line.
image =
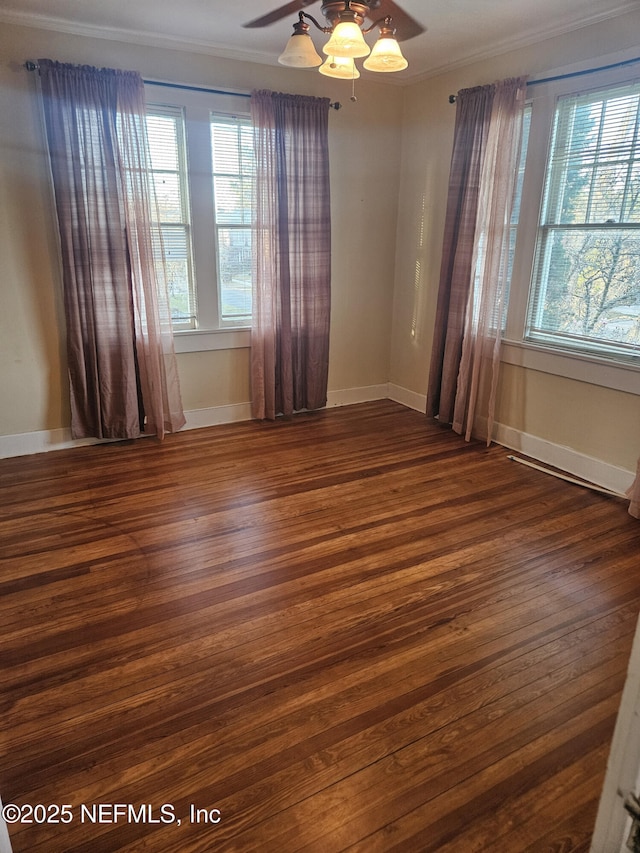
[549,356]
[197,107]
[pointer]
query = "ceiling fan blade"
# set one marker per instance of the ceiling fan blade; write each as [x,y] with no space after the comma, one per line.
[406,26]
[278,14]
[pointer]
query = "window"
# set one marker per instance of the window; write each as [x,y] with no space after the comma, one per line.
[165,130]
[203,173]
[233,188]
[585,284]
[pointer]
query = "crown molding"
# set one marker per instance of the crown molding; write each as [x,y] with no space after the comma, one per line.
[533,36]
[140,37]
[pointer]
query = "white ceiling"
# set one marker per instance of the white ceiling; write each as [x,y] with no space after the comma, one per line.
[458,31]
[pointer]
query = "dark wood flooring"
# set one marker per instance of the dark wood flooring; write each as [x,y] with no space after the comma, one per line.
[348,631]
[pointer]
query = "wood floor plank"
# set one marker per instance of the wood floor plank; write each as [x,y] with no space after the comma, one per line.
[350,630]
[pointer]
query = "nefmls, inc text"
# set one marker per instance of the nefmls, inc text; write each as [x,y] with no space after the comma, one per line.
[145,813]
[107,813]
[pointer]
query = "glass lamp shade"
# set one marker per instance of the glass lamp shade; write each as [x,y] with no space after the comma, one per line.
[346,41]
[300,52]
[341,67]
[386,56]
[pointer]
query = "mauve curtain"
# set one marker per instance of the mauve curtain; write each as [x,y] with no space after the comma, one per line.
[121,359]
[292,254]
[475,263]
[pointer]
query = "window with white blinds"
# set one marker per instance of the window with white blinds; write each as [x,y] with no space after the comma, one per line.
[233,169]
[166,134]
[585,292]
[202,169]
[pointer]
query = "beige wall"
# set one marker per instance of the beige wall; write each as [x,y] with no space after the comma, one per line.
[592,420]
[588,419]
[365,162]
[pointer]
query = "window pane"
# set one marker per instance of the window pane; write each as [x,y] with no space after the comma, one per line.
[607,193]
[591,285]
[246,148]
[225,149]
[232,145]
[234,261]
[163,141]
[234,200]
[169,196]
[176,256]
[631,209]
[618,128]
[574,203]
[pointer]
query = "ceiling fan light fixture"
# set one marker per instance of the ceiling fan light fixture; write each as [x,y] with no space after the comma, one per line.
[300,51]
[340,67]
[347,41]
[386,56]
[347,23]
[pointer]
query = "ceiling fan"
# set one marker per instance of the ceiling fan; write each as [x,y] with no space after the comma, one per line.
[406,27]
[347,25]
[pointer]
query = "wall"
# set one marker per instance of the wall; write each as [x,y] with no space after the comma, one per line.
[573,423]
[364,152]
[383,313]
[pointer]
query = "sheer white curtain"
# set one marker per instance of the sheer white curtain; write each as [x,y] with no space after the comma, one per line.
[475,267]
[121,359]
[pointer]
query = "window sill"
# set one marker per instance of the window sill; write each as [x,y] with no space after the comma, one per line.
[203,340]
[584,368]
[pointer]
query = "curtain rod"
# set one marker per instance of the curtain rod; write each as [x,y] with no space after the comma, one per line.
[452,98]
[335,105]
[196,88]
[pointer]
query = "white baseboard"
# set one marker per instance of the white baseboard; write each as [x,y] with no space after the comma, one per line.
[585,467]
[351,396]
[215,415]
[407,398]
[42,441]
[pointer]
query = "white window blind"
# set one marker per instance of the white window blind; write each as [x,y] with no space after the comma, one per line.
[166,135]
[233,168]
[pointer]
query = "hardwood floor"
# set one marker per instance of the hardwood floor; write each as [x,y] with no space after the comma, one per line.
[346,631]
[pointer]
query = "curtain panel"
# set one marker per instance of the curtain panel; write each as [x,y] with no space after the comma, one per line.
[121,360]
[474,271]
[292,254]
